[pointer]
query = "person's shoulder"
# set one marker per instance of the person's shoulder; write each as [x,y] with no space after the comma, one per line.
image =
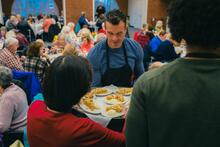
[131,42]
[134,47]
[160,73]
[36,106]
[97,50]
[12,93]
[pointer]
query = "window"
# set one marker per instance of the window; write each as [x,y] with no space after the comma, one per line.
[108,4]
[34,7]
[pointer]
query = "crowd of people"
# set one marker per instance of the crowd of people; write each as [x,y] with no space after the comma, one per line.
[176,104]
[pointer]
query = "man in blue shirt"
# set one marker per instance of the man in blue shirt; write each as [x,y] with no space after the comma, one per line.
[116,60]
[82,20]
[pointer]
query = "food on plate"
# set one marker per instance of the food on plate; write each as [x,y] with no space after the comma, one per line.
[116,108]
[90,104]
[118,97]
[113,111]
[88,95]
[125,91]
[100,91]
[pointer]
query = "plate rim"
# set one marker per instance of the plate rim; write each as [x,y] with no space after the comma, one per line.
[125,101]
[86,109]
[103,112]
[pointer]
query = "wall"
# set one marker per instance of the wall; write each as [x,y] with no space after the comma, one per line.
[123,5]
[157,9]
[137,12]
[7,4]
[74,8]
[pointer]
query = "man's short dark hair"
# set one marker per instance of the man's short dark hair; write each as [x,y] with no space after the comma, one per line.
[67,80]
[115,16]
[196,21]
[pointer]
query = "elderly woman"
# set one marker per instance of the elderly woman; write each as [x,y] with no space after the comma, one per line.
[34,63]
[178,105]
[72,32]
[13,103]
[51,123]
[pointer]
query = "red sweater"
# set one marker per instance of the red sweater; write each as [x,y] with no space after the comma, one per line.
[48,129]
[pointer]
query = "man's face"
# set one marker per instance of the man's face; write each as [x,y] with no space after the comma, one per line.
[115,34]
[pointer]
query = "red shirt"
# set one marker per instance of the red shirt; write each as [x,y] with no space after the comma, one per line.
[48,129]
[85,48]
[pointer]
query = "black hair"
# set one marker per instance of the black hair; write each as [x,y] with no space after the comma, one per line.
[195,21]
[67,80]
[115,16]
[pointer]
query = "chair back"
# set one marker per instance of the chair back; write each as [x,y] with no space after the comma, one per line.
[31,83]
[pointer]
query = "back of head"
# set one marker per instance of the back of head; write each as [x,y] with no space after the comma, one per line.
[5,76]
[11,34]
[65,30]
[71,25]
[195,21]
[41,42]
[69,49]
[10,41]
[3,28]
[34,49]
[115,16]
[67,80]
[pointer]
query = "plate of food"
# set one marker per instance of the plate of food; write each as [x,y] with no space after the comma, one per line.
[113,111]
[88,105]
[88,95]
[101,91]
[115,99]
[124,91]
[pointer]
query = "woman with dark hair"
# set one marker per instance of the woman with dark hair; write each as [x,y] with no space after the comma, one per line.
[51,123]
[178,105]
[34,63]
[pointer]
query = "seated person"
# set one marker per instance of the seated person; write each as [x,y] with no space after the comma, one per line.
[51,123]
[83,20]
[157,40]
[34,63]
[13,103]
[8,55]
[165,52]
[69,49]
[144,36]
[86,44]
